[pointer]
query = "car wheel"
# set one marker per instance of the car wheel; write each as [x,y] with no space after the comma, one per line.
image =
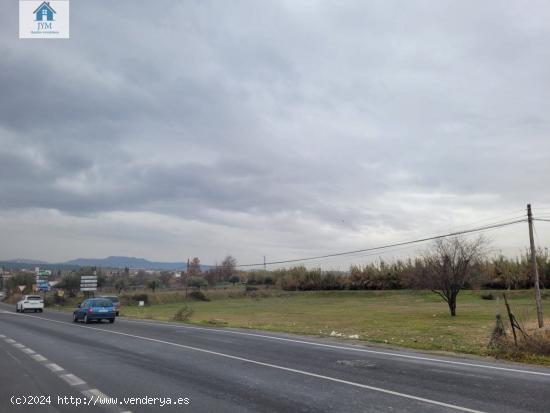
[111,320]
[16,309]
[75,318]
[117,313]
[40,310]
[86,321]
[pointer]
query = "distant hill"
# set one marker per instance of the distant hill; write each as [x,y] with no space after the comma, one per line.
[109,262]
[24,261]
[130,262]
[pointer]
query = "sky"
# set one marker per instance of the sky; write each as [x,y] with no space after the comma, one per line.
[283,129]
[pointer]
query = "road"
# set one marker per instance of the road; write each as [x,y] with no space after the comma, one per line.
[224,370]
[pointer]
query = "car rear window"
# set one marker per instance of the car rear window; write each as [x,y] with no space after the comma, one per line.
[34,297]
[101,303]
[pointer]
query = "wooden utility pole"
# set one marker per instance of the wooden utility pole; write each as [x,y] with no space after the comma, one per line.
[534,268]
[265,267]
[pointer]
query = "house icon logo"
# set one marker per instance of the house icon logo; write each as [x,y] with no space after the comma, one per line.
[43,19]
[44,12]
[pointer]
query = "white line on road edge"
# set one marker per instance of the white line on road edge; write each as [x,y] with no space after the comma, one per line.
[310,343]
[362,350]
[274,366]
[27,350]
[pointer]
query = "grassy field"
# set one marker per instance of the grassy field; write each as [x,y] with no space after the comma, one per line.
[414,319]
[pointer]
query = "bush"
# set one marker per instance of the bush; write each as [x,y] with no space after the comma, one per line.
[487,296]
[250,288]
[527,348]
[183,314]
[197,282]
[198,295]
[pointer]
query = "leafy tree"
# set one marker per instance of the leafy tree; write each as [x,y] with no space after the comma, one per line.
[25,279]
[197,282]
[153,284]
[120,284]
[71,283]
[234,279]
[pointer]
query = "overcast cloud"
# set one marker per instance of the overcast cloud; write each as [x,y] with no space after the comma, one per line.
[284,128]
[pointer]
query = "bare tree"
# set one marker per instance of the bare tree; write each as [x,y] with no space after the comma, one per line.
[194,267]
[227,268]
[450,264]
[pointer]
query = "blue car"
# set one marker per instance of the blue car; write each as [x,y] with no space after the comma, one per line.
[95,309]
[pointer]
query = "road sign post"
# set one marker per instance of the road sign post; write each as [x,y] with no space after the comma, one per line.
[88,283]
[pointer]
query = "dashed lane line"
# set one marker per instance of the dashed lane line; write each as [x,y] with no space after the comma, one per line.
[69,378]
[40,358]
[274,366]
[72,379]
[54,367]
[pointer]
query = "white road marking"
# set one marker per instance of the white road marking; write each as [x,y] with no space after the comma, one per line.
[72,379]
[94,393]
[10,340]
[54,367]
[310,343]
[274,366]
[39,358]
[362,350]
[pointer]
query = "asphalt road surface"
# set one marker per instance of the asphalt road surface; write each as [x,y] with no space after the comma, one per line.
[221,370]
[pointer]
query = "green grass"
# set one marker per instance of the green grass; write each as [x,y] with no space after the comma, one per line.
[414,319]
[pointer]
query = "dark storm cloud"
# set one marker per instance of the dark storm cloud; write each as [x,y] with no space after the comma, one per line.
[342,121]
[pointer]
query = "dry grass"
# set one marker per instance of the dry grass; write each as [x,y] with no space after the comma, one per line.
[414,319]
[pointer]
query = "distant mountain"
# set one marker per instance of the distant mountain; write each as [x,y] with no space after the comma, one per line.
[130,262]
[109,262]
[24,261]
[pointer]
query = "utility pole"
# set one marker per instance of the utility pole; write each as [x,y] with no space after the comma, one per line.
[265,267]
[534,268]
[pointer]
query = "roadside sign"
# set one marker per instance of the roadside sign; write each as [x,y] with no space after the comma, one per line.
[21,287]
[88,283]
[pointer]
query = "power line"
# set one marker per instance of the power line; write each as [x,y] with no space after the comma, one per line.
[397,244]
[541,219]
